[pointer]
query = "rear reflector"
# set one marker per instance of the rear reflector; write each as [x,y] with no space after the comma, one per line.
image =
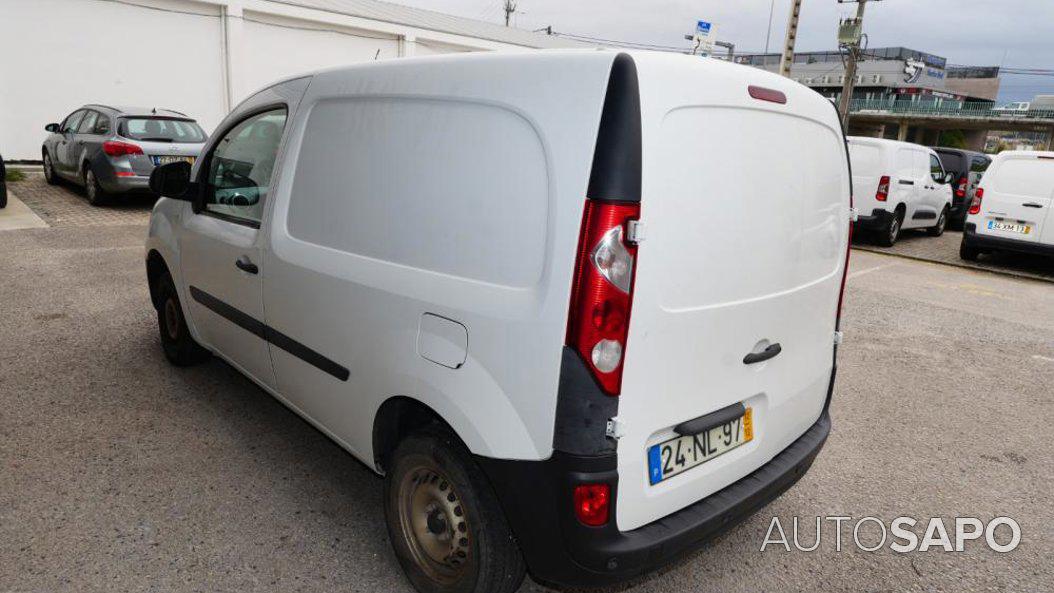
[602,293]
[883,189]
[975,204]
[125,174]
[763,94]
[591,503]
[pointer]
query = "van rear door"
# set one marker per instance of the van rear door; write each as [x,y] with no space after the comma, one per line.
[745,206]
[1017,198]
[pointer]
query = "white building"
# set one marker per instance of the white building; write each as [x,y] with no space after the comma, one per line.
[201,57]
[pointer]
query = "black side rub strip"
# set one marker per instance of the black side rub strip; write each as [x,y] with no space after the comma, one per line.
[261,330]
[698,425]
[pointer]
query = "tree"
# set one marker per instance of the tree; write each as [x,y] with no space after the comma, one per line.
[952,139]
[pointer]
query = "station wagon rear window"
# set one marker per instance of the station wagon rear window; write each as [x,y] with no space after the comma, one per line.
[160,129]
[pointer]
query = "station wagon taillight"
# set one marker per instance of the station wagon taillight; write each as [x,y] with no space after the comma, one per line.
[975,204]
[883,189]
[118,148]
[602,293]
[960,187]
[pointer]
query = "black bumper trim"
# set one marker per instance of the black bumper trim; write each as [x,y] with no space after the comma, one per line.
[874,221]
[971,238]
[536,496]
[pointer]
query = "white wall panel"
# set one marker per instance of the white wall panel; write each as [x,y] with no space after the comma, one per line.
[285,47]
[61,54]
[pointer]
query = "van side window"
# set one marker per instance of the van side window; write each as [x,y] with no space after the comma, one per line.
[240,167]
[936,170]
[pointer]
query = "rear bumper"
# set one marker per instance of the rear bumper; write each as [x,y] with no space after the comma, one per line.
[973,239]
[872,222]
[536,496]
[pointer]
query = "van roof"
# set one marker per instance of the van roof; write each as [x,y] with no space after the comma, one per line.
[883,142]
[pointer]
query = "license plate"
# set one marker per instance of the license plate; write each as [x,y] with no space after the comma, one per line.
[1009,227]
[166,159]
[680,454]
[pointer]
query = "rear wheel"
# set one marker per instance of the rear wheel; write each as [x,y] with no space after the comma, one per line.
[942,223]
[445,523]
[888,235]
[49,170]
[968,252]
[180,347]
[96,194]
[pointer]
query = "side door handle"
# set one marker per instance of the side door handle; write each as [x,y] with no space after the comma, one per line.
[246,265]
[1032,205]
[771,352]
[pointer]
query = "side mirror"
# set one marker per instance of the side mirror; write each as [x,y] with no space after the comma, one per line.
[53,128]
[172,181]
[948,178]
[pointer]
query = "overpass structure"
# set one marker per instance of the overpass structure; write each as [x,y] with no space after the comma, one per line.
[923,123]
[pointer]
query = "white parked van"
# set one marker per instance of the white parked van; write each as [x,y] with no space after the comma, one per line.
[579,308]
[897,186]
[1011,210]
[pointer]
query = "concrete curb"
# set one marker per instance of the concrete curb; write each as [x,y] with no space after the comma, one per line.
[960,264]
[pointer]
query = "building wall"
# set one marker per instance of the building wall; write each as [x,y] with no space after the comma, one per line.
[981,88]
[199,57]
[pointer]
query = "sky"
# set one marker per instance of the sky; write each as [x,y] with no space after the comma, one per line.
[1014,33]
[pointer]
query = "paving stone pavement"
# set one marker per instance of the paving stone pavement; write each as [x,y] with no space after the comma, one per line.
[945,250]
[64,205]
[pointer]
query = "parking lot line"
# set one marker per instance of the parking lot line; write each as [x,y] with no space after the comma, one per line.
[869,270]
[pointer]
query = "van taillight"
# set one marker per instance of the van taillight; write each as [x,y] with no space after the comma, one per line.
[960,188]
[116,148]
[883,189]
[592,502]
[975,204]
[602,293]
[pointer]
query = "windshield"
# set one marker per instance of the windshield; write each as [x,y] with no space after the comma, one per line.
[159,129]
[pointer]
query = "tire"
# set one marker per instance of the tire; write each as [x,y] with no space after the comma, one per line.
[890,232]
[95,193]
[49,170]
[446,526]
[968,252]
[180,348]
[942,223]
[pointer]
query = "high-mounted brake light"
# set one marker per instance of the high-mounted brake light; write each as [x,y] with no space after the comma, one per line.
[975,204]
[592,502]
[763,94]
[118,148]
[602,293]
[883,189]
[960,187]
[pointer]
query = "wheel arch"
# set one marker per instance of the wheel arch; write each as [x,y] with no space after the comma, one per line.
[155,268]
[397,418]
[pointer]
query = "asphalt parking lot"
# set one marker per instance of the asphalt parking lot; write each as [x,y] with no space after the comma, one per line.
[121,473]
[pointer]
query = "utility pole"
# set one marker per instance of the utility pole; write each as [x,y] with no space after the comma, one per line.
[768,32]
[792,35]
[510,7]
[849,35]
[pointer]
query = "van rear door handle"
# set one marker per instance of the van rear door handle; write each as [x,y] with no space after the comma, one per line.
[767,353]
[246,265]
[906,182]
[1032,205]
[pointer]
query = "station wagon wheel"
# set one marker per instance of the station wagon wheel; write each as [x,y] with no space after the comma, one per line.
[446,526]
[49,170]
[96,194]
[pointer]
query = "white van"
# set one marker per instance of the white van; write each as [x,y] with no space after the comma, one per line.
[897,186]
[579,308]
[1011,210]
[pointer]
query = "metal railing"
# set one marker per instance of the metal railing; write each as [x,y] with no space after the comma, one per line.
[951,109]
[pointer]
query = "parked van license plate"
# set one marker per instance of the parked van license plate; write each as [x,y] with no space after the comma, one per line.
[995,225]
[680,454]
